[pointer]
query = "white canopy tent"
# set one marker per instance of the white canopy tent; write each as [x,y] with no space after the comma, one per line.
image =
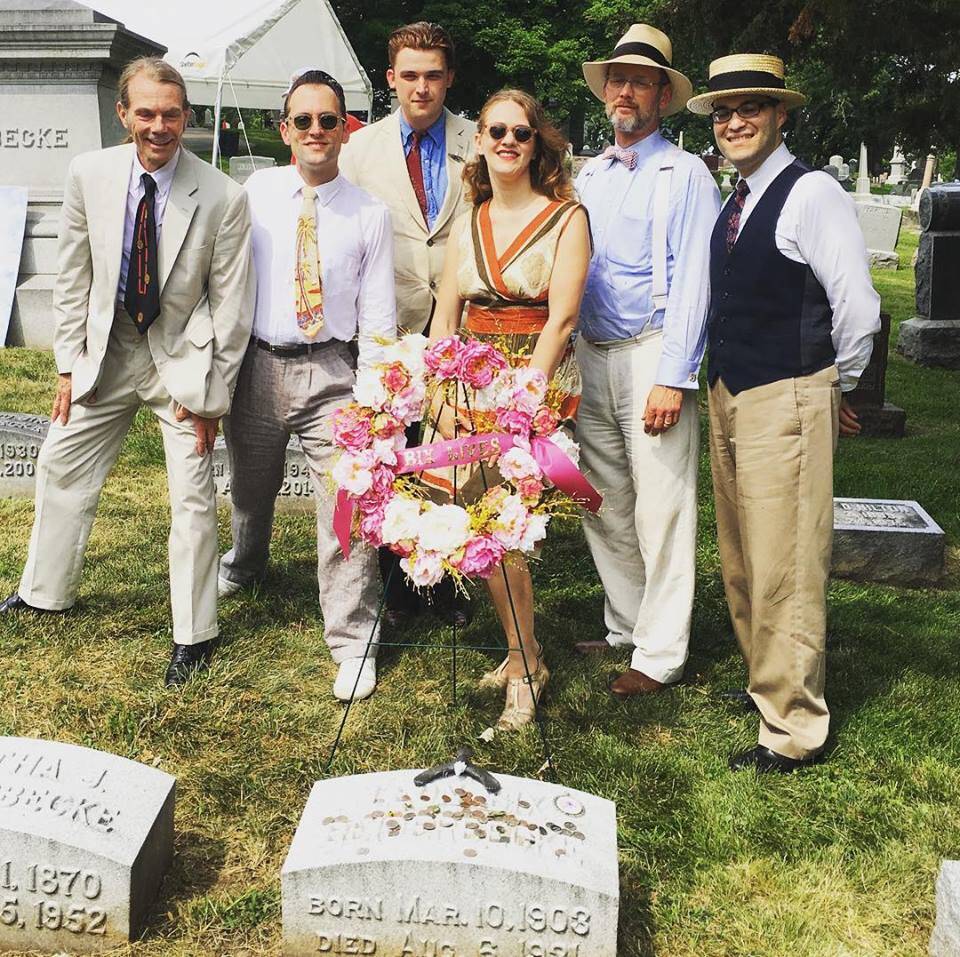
[242,52]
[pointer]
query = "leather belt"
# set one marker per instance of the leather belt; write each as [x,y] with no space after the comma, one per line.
[292,351]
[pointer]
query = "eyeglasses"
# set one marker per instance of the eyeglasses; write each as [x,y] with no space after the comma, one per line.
[522,134]
[746,110]
[327,121]
[640,83]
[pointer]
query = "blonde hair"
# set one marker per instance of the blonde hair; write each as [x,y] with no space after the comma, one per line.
[155,69]
[548,174]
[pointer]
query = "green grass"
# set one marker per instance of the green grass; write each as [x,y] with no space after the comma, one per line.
[838,861]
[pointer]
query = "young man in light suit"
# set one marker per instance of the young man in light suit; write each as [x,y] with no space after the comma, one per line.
[153,305]
[413,161]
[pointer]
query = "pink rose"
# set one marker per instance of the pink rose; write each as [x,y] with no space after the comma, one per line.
[396,377]
[351,428]
[545,421]
[383,479]
[479,557]
[443,357]
[371,525]
[479,363]
[530,489]
[386,426]
[515,421]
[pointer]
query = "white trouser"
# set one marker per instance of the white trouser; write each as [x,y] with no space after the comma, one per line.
[643,540]
[74,462]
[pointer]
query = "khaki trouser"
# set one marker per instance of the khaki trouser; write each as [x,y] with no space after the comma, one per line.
[643,540]
[771,452]
[74,463]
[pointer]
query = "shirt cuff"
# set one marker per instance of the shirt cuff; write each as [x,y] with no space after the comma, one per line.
[677,373]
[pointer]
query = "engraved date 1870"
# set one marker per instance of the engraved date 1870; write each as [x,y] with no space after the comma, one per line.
[77,914]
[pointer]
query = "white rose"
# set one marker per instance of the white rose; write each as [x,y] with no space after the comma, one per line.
[518,464]
[566,445]
[509,525]
[369,391]
[423,568]
[401,520]
[535,531]
[352,472]
[444,529]
[409,350]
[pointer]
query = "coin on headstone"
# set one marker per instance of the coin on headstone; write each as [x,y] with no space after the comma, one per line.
[568,804]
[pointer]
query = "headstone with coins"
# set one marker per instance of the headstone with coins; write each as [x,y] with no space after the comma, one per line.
[85,838]
[381,866]
[932,337]
[878,418]
[296,491]
[885,540]
[20,439]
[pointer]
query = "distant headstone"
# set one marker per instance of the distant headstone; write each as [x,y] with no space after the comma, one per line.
[932,337]
[863,173]
[854,165]
[897,163]
[243,167]
[836,160]
[20,439]
[832,171]
[296,492]
[880,225]
[208,118]
[878,418]
[843,174]
[380,866]
[886,541]
[85,838]
[945,941]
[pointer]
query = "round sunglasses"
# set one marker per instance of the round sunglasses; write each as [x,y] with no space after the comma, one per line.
[522,134]
[327,121]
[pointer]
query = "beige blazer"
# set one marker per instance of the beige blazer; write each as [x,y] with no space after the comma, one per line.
[207,284]
[373,159]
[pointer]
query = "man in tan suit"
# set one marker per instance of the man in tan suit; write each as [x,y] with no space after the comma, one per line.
[413,161]
[153,305]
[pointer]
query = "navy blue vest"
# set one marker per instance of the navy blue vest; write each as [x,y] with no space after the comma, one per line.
[769,317]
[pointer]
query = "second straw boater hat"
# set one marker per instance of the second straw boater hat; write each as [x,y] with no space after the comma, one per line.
[642,45]
[743,73]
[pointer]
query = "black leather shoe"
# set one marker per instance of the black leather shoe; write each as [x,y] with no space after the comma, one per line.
[16,603]
[765,761]
[740,698]
[187,659]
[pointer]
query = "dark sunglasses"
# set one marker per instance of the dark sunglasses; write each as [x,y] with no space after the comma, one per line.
[522,134]
[328,121]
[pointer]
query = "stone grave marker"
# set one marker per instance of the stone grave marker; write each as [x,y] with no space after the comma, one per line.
[832,171]
[85,838]
[243,167]
[886,541]
[897,163]
[945,941]
[878,418]
[381,866]
[863,172]
[20,439]
[296,492]
[880,225]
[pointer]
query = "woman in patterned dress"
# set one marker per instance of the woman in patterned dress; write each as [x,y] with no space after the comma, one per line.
[519,263]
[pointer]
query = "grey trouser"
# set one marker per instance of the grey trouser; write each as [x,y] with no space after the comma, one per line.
[278,397]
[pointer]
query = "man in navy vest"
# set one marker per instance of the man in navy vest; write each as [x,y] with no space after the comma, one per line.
[790,329]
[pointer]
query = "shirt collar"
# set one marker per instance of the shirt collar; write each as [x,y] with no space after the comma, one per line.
[163,177]
[435,131]
[769,170]
[325,191]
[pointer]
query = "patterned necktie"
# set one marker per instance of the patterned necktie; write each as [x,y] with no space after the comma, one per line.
[415,169]
[308,281]
[627,157]
[736,208]
[141,298]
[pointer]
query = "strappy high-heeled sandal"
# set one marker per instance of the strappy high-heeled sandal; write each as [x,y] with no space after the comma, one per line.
[514,714]
[497,678]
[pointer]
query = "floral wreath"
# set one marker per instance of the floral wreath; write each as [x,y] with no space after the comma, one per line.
[381,503]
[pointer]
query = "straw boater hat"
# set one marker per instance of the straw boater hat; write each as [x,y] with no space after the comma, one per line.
[642,45]
[743,73]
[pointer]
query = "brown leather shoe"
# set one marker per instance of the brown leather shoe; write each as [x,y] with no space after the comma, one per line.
[633,682]
[597,647]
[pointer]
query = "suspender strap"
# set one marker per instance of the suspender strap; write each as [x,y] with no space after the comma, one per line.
[661,210]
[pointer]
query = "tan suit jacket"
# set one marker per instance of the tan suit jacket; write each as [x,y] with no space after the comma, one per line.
[207,284]
[373,159]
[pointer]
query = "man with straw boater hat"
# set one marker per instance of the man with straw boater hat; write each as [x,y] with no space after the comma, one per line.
[790,329]
[652,207]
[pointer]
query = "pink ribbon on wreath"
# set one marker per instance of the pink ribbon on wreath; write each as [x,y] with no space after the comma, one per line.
[553,462]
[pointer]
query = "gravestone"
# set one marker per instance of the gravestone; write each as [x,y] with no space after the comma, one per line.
[380,866]
[897,163]
[843,174]
[85,838]
[20,439]
[854,165]
[296,492]
[836,160]
[884,540]
[880,225]
[945,941]
[863,173]
[59,65]
[932,338]
[243,167]
[878,418]
[832,171]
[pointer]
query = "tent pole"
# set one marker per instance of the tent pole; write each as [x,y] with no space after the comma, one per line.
[215,155]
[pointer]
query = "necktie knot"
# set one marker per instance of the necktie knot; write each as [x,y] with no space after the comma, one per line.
[619,154]
[149,185]
[742,189]
[309,194]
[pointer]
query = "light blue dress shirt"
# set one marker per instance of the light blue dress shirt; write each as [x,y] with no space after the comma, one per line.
[433,161]
[617,302]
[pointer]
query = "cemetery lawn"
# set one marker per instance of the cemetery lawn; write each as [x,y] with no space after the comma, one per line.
[840,860]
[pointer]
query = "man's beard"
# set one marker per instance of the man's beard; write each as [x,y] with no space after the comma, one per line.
[629,124]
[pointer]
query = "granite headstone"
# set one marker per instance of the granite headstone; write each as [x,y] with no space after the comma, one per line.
[20,439]
[296,491]
[878,418]
[380,866]
[880,225]
[85,838]
[945,941]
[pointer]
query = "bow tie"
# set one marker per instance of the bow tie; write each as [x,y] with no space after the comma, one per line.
[627,157]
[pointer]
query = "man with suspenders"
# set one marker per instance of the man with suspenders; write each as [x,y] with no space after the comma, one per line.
[652,208]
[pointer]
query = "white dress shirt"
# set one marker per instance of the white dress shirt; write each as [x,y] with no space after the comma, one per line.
[355,244]
[163,177]
[818,227]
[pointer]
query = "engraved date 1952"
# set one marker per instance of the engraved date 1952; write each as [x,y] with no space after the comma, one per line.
[77,914]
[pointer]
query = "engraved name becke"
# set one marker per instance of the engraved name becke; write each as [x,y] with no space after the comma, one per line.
[34,138]
[37,783]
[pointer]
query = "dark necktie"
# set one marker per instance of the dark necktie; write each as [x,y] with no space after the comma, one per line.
[415,169]
[736,208]
[142,295]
